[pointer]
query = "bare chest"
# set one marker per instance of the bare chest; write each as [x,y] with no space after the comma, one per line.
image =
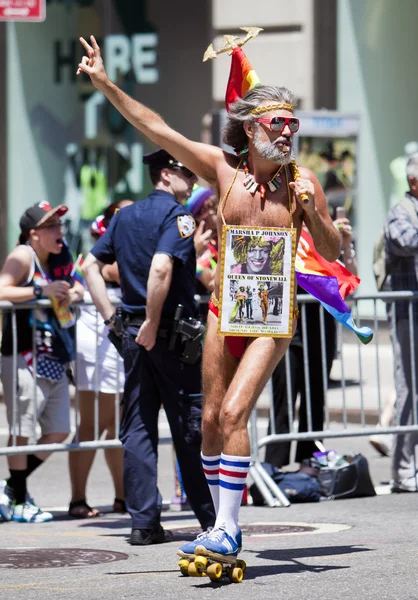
[277,209]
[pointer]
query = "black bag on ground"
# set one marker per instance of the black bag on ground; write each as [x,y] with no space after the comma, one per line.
[298,486]
[347,481]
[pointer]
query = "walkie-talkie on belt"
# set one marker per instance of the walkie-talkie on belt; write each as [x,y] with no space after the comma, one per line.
[173,337]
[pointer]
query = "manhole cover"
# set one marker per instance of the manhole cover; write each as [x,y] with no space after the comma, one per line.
[257,529]
[44,558]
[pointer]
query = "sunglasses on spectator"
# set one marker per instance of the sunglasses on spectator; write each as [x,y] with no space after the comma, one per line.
[279,123]
[186,172]
[58,225]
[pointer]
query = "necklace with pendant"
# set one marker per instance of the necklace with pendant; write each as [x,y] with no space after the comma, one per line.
[252,186]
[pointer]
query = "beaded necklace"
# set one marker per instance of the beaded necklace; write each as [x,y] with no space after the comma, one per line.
[252,186]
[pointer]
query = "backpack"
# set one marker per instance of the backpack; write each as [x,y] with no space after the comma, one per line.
[298,486]
[382,268]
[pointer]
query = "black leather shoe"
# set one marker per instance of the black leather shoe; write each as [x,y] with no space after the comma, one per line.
[145,537]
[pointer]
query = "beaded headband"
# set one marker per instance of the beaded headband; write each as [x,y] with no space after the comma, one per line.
[262,109]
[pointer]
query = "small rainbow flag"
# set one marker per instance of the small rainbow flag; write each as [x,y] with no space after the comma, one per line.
[76,273]
[329,283]
[242,77]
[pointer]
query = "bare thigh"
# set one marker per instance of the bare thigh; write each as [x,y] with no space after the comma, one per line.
[106,412]
[254,370]
[218,370]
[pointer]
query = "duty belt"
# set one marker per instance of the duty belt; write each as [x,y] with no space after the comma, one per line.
[137,321]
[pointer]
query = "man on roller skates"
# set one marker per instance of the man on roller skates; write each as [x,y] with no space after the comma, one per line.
[260,127]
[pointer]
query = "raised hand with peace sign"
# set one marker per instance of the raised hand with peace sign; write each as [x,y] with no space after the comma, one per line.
[92,64]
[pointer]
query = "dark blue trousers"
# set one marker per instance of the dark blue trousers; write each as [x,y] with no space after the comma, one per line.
[154,379]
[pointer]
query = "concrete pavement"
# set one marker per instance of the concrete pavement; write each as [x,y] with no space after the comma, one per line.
[358,548]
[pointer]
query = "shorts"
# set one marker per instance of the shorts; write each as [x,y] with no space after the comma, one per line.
[52,399]
[92,344]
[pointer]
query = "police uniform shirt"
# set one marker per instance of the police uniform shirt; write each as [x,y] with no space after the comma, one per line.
[158,224]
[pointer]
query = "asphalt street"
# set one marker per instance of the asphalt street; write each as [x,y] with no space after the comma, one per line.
[358,548]
[351,549]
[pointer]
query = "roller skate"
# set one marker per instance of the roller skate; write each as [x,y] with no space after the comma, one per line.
[215,555]
[186,552]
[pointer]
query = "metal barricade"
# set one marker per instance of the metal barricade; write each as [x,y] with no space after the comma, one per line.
[355,404]
[96,442]
[76,444]
[350,407]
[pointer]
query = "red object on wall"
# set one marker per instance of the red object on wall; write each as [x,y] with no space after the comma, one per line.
[22,10]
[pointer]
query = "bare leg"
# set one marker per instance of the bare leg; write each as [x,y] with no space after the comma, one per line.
[254,370]
[80,463]
[231,389]
[114,461]
[218,369]
[18,462]
[50,438]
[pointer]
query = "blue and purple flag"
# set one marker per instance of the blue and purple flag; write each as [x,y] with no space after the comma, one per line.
[329,283]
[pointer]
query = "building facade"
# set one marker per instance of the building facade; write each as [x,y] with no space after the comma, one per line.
[61,141]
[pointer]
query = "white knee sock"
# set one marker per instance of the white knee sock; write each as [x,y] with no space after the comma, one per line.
[211,468]
[232,475]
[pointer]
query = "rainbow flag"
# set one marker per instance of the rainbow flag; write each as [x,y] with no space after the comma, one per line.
[329,283]
[76,273]
[242,77]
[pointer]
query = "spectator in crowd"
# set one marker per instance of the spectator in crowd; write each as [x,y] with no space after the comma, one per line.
[278,454]
[203,204]
[95,351]
[39,267]
[401,247]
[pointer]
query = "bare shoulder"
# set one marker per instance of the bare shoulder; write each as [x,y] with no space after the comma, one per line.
[16,267]
[21,254]
[229,161]
[306,173]
[225,171]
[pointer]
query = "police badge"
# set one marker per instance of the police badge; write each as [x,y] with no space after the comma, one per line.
[186,225]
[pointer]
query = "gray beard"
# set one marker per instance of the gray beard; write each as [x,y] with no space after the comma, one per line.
[271,152]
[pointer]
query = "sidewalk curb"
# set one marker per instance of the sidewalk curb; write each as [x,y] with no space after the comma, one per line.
[338,415]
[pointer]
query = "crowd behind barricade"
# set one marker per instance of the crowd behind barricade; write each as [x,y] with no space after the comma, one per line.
[145,255]
[42,263]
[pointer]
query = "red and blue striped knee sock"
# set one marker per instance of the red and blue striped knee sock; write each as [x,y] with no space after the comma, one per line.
[232,475]
[211,470]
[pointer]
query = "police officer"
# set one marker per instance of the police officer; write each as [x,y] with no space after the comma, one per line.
[152,242]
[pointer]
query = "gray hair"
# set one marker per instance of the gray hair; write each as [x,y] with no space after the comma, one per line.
[412,167]
[239,112]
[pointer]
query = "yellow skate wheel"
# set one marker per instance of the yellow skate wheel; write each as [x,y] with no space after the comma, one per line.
[184,566]
[201,562]
[214,571]
[193,571]
[236,574]
[241,564]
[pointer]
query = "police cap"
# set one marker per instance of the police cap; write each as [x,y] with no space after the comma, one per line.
[160,159]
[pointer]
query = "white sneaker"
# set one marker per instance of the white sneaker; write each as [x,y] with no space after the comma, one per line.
[30,513]
[6,501]
[410,484]
[382,443]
